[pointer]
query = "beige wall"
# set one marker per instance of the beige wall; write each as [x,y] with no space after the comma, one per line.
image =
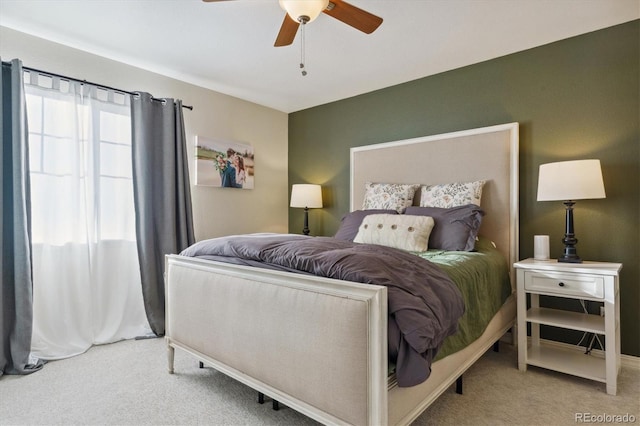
[216,211]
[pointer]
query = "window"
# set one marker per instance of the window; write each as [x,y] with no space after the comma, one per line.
[80,155]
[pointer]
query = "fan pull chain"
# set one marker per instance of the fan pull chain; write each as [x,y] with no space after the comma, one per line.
[302,59]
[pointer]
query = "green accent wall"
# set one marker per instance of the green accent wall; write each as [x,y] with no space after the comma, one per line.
[574,99]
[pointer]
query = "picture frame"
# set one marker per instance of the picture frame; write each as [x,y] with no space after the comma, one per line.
[224,163]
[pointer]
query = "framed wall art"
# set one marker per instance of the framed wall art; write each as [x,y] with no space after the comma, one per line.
[224,164]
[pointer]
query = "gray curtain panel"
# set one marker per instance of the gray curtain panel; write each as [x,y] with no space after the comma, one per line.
[16,291]
[162,195]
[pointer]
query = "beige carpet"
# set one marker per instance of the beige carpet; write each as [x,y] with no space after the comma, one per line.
[127,383]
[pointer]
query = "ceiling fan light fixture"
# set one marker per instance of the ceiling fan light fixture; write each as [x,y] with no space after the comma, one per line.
[309,8]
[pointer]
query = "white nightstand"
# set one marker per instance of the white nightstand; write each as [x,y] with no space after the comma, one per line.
[596,281]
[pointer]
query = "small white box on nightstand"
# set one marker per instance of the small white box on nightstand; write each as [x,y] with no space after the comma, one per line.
[541,247]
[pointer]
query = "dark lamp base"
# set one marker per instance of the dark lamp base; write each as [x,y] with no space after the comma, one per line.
[570,259]
[305,229]
[570,255]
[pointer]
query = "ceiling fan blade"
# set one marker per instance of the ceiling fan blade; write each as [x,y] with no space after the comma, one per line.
[287,32]
[354,16]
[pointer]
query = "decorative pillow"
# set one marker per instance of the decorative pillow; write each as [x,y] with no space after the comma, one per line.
[451,194]
[455,229]
[399,231]
[392,196]
[350,222]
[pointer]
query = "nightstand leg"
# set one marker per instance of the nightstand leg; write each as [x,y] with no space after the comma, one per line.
[612,339]
[535,327]
[521,329]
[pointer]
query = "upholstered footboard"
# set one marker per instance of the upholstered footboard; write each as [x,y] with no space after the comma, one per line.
[317,345]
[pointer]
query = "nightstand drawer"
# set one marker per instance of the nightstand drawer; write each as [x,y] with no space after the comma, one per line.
[587,286]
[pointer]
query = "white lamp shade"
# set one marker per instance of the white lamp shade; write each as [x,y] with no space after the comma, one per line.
[306,195]
[570,180]
[298,8]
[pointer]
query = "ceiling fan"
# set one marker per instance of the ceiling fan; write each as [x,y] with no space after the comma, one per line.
[305,11]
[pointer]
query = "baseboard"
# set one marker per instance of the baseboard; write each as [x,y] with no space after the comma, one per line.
[628,361]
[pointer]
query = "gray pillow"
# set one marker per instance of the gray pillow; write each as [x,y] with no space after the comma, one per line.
[455,229]
[351,222]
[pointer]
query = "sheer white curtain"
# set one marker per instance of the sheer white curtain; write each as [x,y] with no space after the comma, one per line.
[86,275]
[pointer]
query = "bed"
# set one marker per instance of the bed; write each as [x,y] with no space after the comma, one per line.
[279,333]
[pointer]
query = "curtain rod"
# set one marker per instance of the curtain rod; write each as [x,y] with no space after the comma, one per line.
[64,77]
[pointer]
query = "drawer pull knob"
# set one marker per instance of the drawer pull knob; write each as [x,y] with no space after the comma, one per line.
[561,284]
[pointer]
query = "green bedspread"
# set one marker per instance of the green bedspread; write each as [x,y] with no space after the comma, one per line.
[483,278]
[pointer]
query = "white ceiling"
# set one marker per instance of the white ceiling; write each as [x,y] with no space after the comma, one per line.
[228,46]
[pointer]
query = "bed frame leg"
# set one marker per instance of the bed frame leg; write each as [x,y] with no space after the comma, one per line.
[170,357]
[201,364]
[496,346]
[459,385]
[274,404]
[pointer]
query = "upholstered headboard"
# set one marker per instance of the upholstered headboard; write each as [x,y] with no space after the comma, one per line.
[488,153]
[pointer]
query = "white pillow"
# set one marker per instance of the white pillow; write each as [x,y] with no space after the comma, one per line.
[391,230]
[450,195]
[389,196]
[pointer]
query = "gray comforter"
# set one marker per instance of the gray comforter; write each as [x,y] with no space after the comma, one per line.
[424,304]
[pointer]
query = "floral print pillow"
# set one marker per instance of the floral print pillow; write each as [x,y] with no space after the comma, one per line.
[391,196]
[451,194]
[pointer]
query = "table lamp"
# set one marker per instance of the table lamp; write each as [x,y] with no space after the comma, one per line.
[569,181]
[306,196]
